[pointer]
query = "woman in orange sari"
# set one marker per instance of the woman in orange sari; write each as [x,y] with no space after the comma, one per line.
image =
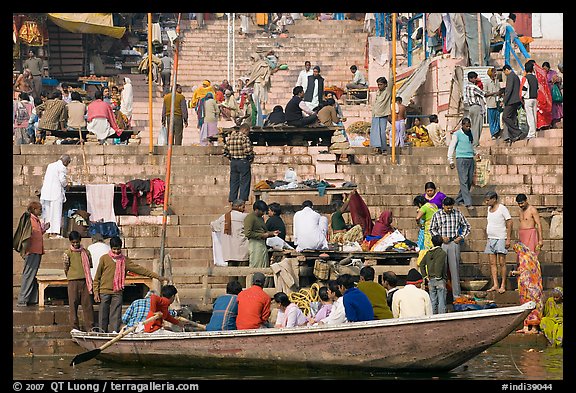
[529,285]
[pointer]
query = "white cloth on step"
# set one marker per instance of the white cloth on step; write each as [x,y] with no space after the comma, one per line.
[100,202]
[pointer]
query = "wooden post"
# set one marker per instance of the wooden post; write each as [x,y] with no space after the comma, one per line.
[150,116]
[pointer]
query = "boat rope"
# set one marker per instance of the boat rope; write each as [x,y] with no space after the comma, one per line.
[304,296]
[512,357]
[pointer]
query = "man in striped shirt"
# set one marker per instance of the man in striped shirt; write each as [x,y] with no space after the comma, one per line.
[453,227]
[238,149]
[138,310]
[475,101]
[53,114]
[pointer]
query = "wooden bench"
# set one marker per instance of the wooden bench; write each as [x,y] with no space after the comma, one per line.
[57,278]
[283,135]
[351,97]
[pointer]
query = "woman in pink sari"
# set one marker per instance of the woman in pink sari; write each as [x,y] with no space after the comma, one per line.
[553,78]
[544,112]
[529,285]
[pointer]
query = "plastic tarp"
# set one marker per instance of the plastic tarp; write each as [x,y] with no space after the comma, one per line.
[88,23]
[411,84]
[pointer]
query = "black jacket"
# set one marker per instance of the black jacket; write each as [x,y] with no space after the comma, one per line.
[310,89]
[512,90]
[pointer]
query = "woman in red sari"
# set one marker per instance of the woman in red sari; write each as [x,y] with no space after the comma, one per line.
[529,285]
[544,112]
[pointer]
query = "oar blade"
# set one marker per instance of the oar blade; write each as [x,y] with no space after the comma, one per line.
[84,357]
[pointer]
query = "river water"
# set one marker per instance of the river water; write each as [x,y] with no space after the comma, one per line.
[517,357]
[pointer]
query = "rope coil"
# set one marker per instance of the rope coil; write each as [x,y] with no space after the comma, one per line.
[304,296]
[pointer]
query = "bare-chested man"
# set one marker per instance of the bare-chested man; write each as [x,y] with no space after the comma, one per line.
[530,229]
[23,83]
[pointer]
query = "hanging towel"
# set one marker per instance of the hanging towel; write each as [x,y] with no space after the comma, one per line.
[100,202]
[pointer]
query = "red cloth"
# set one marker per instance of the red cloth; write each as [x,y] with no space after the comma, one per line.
[161,304]
[253,308]
[360,213]
[101,109]
[544,112]
[156,194]
[383,224]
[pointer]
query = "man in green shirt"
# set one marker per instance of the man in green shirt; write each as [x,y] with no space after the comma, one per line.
[375,292]
[256,232]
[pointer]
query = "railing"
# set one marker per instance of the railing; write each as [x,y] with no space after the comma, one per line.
[509,49]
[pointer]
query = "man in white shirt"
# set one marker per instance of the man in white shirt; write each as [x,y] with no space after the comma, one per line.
[303,75]
[498,232]
[411,301]
[53,194]
[97,249]
[359,81]
[310,229]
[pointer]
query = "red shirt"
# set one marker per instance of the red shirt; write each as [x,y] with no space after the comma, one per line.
[253,308]
[158,303]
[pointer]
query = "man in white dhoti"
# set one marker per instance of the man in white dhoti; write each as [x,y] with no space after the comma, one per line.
[53,194]
[229,228]
[310,229]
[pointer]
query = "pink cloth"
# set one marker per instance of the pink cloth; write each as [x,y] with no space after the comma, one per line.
[101,109]
[120,272]
[382,226]
[85,265]
[529,236]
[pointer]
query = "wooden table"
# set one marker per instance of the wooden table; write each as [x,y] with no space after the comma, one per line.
[289,136]
[57,278]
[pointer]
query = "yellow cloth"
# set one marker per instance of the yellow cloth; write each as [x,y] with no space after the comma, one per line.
[419,137]
[201,92]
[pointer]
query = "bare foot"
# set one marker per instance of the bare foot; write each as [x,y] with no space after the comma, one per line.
[492,289]
[501,290]
[520,331]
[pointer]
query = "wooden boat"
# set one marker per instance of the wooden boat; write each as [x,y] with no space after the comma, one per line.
[439,342]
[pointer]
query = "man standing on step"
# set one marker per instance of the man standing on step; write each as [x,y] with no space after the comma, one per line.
[238,149]
[166,73]
[380,112]
[512,131]
[476,103]
[180,114]
[451,224]
[53,194]
[303,75]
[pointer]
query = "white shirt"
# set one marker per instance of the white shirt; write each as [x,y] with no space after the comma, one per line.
[337,314]
[496,228]
[303,78]
[55,182]
[293,316]
[309,230]
[411,301]
[96,251]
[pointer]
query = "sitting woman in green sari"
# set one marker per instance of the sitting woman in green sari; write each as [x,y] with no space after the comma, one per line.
[552,323]
[423,219]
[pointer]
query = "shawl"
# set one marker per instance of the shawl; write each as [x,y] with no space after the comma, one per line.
[85,265]
[228,223]
[382,226]
[360,213]
[127,98]
[201,108]
[201,92]
[119,273]
[260,71]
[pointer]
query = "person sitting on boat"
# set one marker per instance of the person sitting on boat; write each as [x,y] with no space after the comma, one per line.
[310,229]
[225,308]
[161,303]
[390,282]
[325,307]
[138,310]
[337,313]
[289,314]
[552,322]
[375,292]
[253,305]
[411,301]
[356,304]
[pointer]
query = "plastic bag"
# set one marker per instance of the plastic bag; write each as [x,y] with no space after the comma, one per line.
[556,94]
[523,120]
[163,137]
[481,173]
[278,244]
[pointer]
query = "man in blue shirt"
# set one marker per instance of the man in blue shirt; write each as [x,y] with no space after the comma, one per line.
[225,308]
[356,303]
[138,310]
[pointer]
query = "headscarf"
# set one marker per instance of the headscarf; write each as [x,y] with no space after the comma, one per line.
[120,271]
[383,226]
[85,265]
[558,291]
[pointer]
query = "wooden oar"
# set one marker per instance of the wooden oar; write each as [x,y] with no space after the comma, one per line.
[83,357]
[194,324]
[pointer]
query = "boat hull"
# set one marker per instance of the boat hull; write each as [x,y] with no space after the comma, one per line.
[440,342]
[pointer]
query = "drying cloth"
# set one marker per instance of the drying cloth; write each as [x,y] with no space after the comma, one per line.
[284,277]
[100,202]
[360,213]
